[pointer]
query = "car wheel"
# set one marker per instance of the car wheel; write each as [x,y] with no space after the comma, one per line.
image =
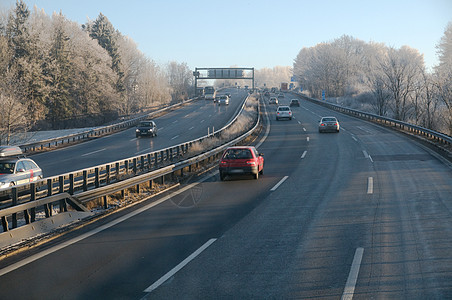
[137,135]
[256,176]
[221,176]
[262,171]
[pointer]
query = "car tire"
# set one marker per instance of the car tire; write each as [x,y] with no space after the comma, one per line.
[221,176]
[256,175]
[262,171]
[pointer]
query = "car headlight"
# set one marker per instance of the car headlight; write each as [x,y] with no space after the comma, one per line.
[137,130]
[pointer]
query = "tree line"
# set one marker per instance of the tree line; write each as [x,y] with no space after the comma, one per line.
[56,73]
[382,80]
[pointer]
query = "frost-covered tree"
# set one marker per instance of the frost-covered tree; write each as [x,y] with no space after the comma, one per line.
[443,72]
[13,115]
[180,79]
[402,69]
[106,35]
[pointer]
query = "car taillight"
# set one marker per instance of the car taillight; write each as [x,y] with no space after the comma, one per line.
[251,162]
[322,124]
[223,163]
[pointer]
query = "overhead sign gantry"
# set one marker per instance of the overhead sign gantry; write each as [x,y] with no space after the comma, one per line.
[223,73]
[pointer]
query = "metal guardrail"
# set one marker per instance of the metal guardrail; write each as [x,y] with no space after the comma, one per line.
[85,135]
[103,180]
[431,134]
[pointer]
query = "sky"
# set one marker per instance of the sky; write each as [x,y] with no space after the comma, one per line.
[259,33]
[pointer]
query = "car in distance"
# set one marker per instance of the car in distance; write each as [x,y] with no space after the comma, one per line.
[330,124]
[15,168]
[280,95]
[146,128]
[223,100]
[239,160]
[273,100]
[283,112]
[294,102]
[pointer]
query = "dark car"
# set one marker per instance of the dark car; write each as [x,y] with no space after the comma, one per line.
[147,128]
[15,168]
[241,160]
[294,102]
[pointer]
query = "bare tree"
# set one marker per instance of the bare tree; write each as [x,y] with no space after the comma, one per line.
[12,111]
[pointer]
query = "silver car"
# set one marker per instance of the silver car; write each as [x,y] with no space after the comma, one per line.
[273,100]
[330,124]
[15,168]
[283,112]
[223,100]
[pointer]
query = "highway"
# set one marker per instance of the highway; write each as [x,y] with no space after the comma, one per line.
[189,122]
[364,213]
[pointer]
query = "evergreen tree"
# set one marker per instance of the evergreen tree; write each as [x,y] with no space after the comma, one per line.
[107,37]
[58,74]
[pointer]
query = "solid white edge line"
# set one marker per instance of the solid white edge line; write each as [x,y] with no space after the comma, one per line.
[304,154]
[174,137]
[349,289]
[179,266]
[39,255]
[279,183]
[370,185]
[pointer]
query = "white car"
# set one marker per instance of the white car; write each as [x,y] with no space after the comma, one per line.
[283,112]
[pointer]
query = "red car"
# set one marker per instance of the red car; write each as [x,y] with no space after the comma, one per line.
[241,160]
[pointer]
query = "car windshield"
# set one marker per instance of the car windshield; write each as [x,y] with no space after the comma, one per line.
[283,108]
[238,154]
[146,124]
[7,167]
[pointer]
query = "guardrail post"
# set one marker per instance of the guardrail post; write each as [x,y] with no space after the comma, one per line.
[105,202]
[135,165]
[142,163]
[107,170]
[117,168]
[63,207]
[33,198]
[149,161]
[126,167]
[85,180]
[96,180]
[48,207]
[5,224]
[71,184]
[156,160]
[14,195]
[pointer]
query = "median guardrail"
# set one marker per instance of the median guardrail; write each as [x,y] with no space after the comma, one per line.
[103,180]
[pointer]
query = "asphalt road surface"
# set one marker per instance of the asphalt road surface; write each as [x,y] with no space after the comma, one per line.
[364,213]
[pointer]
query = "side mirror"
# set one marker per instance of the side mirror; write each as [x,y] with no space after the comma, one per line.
[261,154]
